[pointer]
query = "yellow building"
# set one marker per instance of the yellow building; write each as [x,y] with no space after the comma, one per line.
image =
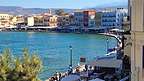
[21,19]
[5,20]
[5,16]
[14,20]
[50,20]
[137,37]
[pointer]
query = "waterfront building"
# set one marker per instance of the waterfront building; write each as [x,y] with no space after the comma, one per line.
[30,21]
[19,20]
[113,18]
[72,20]
[137,37]
[98,19]
[51,21]
[78,18]
[5,16]
[5,20]
[64,20]
[14,20]
[35,20]
[89,18]
[4,23]
[126,24]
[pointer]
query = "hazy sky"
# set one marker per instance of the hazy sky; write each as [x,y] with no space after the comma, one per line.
[61,3]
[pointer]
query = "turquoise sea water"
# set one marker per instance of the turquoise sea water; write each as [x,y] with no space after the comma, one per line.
[53,48]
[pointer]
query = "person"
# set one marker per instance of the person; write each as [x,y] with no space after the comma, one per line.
[77,69]
[123,39]
[86,67]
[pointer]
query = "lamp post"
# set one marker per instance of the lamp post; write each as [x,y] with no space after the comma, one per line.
[107,42]
[70,66]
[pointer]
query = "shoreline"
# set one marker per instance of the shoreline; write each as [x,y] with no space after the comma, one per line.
[59,30]
[104,34]
[56,31]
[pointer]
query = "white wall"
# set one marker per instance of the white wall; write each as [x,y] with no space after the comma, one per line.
[30,21]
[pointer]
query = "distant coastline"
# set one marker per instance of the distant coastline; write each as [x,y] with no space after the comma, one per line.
[58,30]
[79,31]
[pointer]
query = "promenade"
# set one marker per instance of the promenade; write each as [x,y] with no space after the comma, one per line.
[109,67]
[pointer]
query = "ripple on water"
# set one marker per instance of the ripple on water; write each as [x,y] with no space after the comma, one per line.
[53,48]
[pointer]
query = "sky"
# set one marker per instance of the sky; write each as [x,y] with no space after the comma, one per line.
[62,3]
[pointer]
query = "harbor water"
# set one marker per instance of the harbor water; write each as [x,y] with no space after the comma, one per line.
[53,48]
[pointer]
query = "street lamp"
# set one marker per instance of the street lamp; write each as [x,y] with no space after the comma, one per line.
[70,66]
[107,41]
[107,47]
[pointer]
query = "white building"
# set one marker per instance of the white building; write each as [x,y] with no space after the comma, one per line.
[113,18]
[35,20]
[30,21]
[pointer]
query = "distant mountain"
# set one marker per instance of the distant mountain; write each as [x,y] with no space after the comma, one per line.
[21,11]
[26,11]
[16,10]
[102,7]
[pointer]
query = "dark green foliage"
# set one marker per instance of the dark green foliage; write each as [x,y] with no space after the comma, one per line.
[26,68]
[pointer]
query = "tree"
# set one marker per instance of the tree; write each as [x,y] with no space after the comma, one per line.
[26,68]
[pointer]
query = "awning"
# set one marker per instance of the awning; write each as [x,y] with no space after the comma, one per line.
[107,63]
[117,30]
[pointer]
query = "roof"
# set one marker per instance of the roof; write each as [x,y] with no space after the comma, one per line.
[107,63]
[71,78]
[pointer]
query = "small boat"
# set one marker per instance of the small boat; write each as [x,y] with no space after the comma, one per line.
[31,32]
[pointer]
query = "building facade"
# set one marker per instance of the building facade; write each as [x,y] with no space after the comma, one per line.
[64,20]
[5,20]
[89,18]
[19,21]
[78,18]
[5,16]
[113,18]
[137,37]
[98,19]
[35,21]
[51,20]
